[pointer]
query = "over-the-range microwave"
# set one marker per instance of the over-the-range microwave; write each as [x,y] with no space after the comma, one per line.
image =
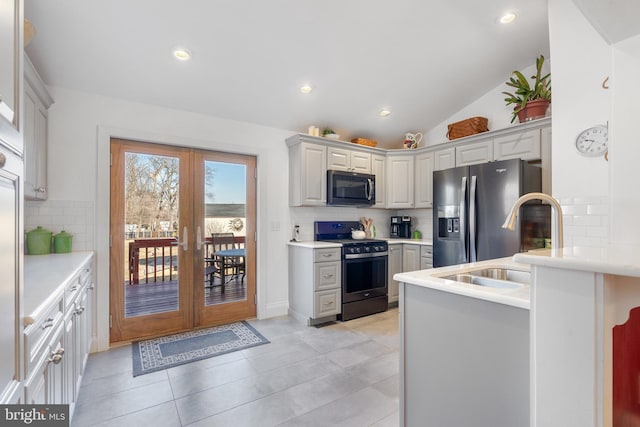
[350,188]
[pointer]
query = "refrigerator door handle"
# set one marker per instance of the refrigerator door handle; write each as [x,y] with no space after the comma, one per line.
[463,216]
[472,221]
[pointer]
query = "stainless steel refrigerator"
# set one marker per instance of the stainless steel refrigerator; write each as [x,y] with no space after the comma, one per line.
[470,204]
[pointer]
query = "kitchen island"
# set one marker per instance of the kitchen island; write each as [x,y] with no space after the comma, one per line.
[464,349]
[584,371]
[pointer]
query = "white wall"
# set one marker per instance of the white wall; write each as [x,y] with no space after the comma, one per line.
[79,130]
[491,105]
[625,144]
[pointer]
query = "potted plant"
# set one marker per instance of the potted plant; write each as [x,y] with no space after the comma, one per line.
[531,101]
[329,133]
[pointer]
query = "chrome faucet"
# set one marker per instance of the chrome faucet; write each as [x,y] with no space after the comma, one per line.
[556,228]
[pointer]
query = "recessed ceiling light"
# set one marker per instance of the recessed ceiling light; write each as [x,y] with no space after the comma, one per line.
[384,112]
[182,54]
[306,88]
[508,18]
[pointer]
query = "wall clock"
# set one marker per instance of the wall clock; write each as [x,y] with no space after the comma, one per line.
[593,141]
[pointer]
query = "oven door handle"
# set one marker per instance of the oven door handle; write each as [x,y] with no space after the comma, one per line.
[369,255]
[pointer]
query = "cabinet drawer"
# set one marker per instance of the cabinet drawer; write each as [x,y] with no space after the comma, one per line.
[75,286]
[426,251]
[37,334]
[525,146]
[327,275]
[327,303]
[328,254]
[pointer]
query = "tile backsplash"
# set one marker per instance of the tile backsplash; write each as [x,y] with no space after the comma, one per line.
[586,221]
[75,217]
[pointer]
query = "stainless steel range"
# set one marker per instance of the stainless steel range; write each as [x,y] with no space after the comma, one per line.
[364,268]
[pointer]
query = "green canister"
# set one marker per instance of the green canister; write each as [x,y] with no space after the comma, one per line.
[39,241]
[62,242]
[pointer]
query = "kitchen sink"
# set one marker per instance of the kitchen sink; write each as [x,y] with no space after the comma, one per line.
[493,278]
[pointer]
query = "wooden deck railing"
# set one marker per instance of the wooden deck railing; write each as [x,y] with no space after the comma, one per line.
[156,260]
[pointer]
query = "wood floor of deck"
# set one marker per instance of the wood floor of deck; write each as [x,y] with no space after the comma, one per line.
[160,297]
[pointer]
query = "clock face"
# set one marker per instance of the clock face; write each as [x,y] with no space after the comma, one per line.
[593,141]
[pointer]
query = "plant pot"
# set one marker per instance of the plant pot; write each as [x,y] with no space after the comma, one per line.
[536,109]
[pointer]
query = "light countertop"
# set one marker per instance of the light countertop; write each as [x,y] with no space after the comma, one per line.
[44,277]
[324,244]
[610,259]
[519,297]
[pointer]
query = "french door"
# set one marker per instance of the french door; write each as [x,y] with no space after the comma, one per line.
[166,203]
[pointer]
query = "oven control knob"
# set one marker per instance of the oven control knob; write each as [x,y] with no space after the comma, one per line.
[367,249]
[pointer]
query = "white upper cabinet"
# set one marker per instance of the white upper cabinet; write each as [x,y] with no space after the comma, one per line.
[307,175]
[525,146]
[444,159]
[480,152]
[348,160]
[424,180]
[378,168]
[400,180]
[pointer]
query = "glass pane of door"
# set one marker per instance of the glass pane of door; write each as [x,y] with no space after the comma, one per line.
[225,230]
[152,230]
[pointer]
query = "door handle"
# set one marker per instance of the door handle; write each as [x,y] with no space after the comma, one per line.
[472,221]
[185,239]
[463,216]
[199,239]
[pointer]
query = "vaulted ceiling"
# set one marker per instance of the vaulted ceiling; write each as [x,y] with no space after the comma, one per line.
[423,60]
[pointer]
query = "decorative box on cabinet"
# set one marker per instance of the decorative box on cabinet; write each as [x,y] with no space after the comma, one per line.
[400,177]
[307,175]
[36,103]
[348,160]
[315,280]
[394,266]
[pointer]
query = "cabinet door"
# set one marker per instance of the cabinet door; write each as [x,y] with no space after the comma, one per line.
[410,257]
[426,257]
[524,145]
[47,383]
[338,159]
[308,166]
[360,162]
[400,181]
[378,168]
[395,266]
[11,242]
[444,159]
[478,152]
[424,180]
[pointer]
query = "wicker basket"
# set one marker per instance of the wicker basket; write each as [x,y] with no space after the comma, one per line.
[467,127]
[363,141]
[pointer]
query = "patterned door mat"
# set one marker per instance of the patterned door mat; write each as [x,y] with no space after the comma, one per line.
[173,350]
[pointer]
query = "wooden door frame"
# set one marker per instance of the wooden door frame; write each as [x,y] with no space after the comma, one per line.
[192,267]
[239,310]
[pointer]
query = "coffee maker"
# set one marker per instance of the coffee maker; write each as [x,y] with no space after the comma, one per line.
[400,227]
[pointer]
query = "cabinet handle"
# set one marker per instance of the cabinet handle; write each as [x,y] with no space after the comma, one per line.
[73,288]
[327,255]
[327,276]
[92,286]
[47,323]
[55,359]
[80,310]
[327,304]
[3,158]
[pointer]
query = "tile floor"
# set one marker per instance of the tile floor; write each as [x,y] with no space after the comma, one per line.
[342,374]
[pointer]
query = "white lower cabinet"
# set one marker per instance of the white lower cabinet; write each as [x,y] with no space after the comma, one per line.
[394,266]
[57,342]
[410,257]
[46,384]
[426,257]
[315,284]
